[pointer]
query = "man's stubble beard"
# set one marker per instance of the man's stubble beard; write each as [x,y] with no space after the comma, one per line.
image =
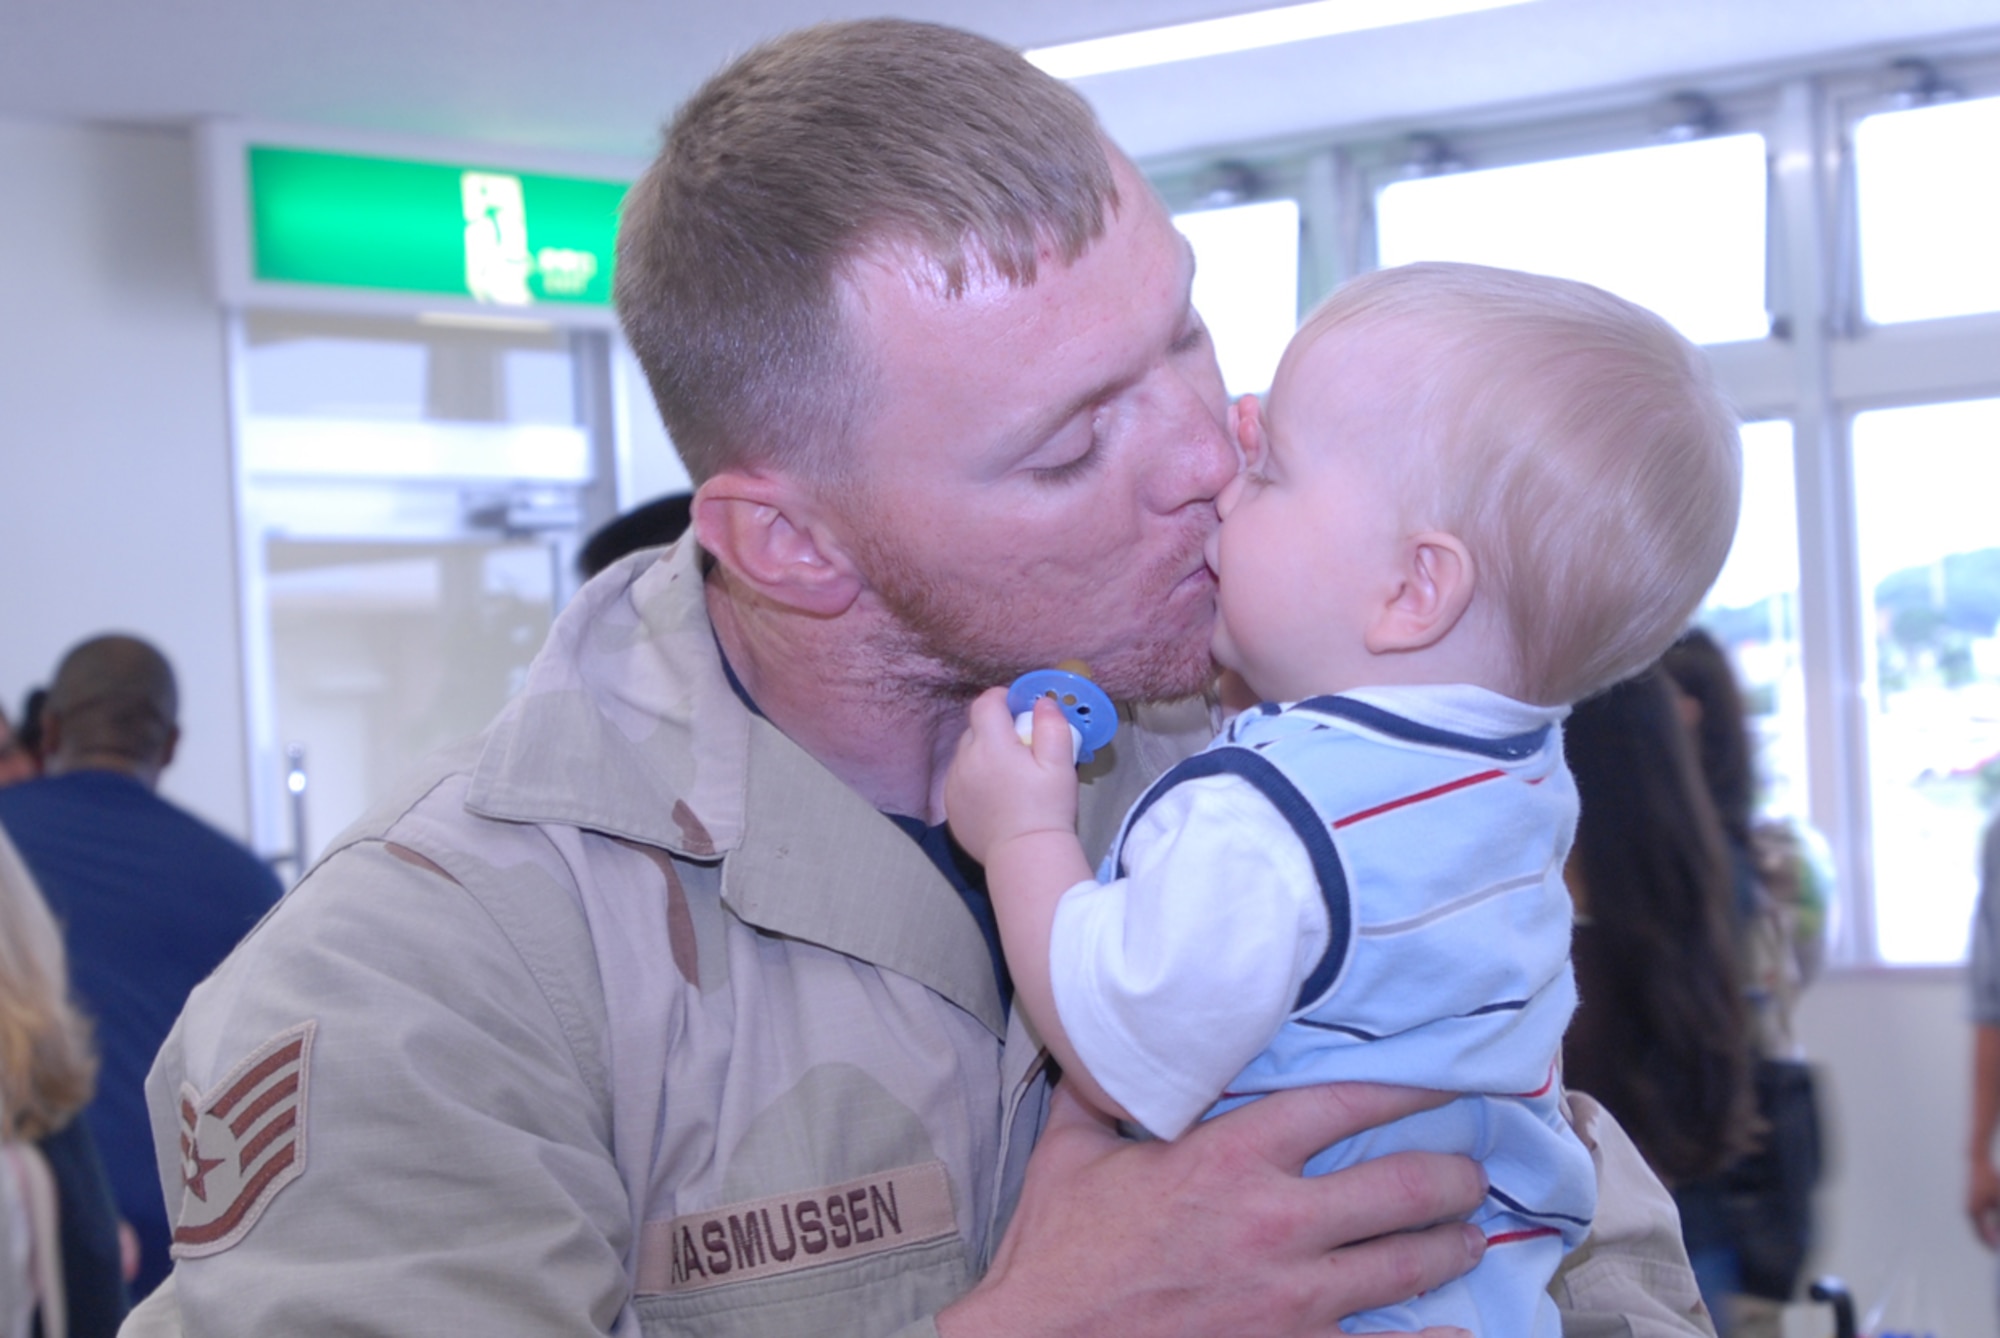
[944,650]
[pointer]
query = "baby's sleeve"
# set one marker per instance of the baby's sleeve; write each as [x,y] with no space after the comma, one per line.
[1172,977]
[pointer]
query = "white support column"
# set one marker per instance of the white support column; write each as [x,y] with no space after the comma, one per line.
[1806,155]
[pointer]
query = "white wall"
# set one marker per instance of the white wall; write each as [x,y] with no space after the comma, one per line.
[114,458]
[1897,1049]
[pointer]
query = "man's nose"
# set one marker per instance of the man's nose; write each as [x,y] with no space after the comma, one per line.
[1203,459]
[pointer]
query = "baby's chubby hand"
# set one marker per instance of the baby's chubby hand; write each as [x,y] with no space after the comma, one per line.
[998,789]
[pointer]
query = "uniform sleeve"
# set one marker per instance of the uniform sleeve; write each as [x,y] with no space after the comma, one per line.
[1169,980]
[1630,1278]
[457,1170]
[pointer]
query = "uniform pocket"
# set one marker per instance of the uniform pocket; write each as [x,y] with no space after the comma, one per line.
[875,1294]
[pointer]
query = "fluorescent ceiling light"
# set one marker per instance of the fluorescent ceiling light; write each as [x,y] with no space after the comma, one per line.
[1243,32]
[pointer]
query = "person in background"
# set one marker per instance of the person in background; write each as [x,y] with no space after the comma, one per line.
[1780,867]
[1982,1195]
[1659,1034]
[47,1072]
[653,524]
[17,761]
[30,731]
[150,898]
[1778,873]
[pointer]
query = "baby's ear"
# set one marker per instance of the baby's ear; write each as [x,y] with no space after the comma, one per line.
[1431,596]
[1248,415]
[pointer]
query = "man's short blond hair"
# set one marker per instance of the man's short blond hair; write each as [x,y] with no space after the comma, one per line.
[1574,441]
[797,160]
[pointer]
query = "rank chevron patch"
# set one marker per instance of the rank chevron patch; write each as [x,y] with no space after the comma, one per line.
[242,1141]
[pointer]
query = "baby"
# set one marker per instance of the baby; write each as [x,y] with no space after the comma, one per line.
[1476,497]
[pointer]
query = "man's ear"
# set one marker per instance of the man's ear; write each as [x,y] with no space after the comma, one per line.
[1431,596]
[774,536]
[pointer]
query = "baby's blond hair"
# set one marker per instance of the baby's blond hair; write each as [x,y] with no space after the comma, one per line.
[1573,441]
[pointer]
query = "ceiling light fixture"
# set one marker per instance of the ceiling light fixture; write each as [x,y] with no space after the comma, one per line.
[1242,32]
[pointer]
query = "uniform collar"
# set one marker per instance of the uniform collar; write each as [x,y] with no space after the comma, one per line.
[627,725]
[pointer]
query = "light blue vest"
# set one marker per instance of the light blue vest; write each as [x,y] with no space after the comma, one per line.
[1440,858]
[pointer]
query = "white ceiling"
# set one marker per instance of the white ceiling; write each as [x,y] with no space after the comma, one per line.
[598,76]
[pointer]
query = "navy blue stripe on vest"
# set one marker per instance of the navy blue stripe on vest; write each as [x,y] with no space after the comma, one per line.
[1341,1027]
[1312,831]
[1499,1006]
[1512,749]
[1514,1205]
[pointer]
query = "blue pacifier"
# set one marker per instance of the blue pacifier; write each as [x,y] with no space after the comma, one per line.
[1092,718]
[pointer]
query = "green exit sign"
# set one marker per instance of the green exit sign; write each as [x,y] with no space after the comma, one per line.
[394,225]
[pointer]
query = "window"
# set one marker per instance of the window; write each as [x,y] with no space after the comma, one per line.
[370,369]
[1928,193]
[1246,285]
[1930,581]
[365,397]
[1753,611]
[1677,228]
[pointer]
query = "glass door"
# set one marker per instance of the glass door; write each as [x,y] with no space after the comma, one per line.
[413,495]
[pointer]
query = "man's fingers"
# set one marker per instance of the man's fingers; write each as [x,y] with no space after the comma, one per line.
[1392,1269]
[1386,1194]
[1287,1128]
[1278,1252]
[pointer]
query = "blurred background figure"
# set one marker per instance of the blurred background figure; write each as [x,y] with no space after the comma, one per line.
[17,761]
[650,525]
[1982,1200]
[47,1157]
[1781,884]
[29,731]
[149,897]
[1660,1034]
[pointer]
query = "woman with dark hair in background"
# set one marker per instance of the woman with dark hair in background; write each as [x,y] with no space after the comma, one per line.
[1712,709]
[1780,866]
[1659,1033]
[1780,883]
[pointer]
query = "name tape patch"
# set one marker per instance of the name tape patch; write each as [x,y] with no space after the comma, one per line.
[242,1141]
[788,1232]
